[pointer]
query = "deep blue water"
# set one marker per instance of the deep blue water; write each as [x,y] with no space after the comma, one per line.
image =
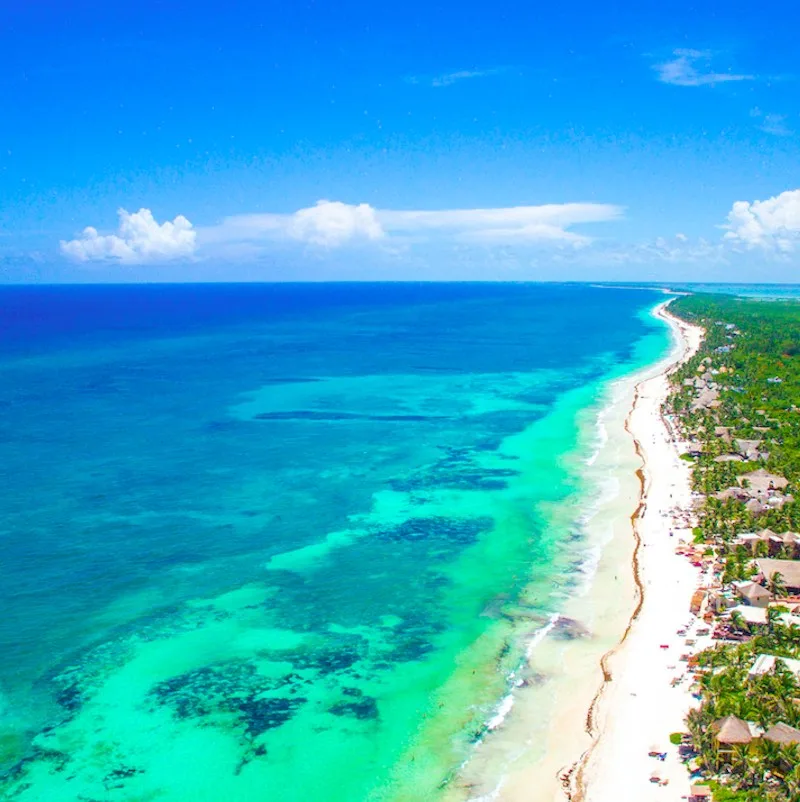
[164,447]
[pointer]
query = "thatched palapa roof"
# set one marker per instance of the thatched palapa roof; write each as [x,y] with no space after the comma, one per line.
[788,569]
[752,591]
[781,733]
[761,481]
[732,730]
[749,448]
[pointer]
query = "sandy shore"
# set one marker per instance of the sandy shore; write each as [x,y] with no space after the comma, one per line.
[642,703]
[607,699]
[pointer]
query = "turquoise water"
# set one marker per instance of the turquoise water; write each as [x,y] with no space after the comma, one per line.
[744,290]
[280,542]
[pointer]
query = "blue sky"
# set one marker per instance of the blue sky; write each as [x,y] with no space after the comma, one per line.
[428,140]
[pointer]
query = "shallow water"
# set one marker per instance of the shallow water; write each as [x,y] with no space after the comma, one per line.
[286,542]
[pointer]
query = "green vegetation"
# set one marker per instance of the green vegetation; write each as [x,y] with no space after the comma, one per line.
[762,770]
[762,346]
[737,402]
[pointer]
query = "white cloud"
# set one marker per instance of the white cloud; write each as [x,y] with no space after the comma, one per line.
[693,68]
[771,123]
[332,224]
[139,239]
[772,224]
[450,78]
[544,223]
[327,224]
[775,124]
[677,250]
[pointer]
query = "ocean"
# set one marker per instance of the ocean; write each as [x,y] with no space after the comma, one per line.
[762,291]
[289,542]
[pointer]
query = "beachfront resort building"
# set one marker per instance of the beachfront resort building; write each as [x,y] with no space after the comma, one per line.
[783,734]
[786,544]
[788,572]
[761,481]
[752,594]
[759,490]
[753,617]
[730,732]
[765,663]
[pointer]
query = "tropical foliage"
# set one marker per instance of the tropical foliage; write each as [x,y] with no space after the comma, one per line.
[749,369]
[762,770]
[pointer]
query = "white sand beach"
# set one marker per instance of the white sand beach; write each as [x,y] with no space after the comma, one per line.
[643,703]
[608,699]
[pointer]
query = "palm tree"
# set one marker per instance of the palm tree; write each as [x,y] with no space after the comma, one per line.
[788,756]
[776,585]
[740,760]
[773,619]
[738,622]
[786,684]
[792,784]
[753,770]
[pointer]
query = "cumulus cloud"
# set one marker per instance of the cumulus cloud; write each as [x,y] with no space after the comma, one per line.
[327,224]
[331,224]
[693,68]
[139,238]
[772,224]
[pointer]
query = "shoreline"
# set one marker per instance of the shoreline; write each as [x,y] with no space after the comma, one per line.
[617,761]
[547,738]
